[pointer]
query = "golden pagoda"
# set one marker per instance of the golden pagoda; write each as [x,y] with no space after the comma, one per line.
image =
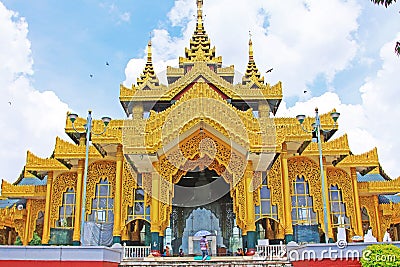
[199,154]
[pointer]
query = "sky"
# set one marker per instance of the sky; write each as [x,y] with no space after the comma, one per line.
[328,54]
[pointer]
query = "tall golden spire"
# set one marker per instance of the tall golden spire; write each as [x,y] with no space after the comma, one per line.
[200,46]
[252,73]
[148,72]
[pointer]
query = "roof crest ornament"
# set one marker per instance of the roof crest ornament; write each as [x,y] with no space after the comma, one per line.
[148,72]
[252,74]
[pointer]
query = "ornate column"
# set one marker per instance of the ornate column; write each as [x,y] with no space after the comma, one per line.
[250,213]
[78,206]
[27,222]
[46,222]
[328,204]
[358,223]
[287,202]
[118,196]
[378,219]
[154,214]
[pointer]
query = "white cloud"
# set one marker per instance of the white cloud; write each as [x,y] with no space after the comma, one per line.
[374,122]
[115,11]
[31,119]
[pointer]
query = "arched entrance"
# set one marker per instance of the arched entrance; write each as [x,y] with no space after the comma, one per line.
[202,202]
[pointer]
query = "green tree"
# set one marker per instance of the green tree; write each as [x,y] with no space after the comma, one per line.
[380,255]
[18,241]
[384,2]
[387,3]
[36,240]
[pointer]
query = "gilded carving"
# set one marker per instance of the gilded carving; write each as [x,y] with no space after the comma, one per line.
[342,179]
[305,167]
[37,205]
[61,184]
[274,180]
[129,184]
[97,171]
[369,204]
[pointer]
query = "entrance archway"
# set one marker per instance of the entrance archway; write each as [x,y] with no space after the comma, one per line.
[203,209]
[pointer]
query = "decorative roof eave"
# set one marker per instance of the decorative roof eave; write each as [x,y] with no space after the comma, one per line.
[379,187]
[67,150]
[339,146]
[235,92]
[290,130]
[22,191]
[112,135]
[150,133]
[36,164]
[367,159]
[266,92]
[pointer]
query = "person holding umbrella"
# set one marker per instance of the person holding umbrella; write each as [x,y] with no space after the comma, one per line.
[204,247]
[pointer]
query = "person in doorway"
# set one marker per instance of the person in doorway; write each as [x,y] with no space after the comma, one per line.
[387,237]
[204,247]
[181,254]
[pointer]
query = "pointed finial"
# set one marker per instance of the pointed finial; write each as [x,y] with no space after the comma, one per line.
[149,54]
[250,47]
[199,25]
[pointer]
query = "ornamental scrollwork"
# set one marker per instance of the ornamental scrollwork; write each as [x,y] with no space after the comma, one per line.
[369,204]
[342,179]
[274,180]
[305,167]
[97,171]
[37,205]
[129,184]
[61,184]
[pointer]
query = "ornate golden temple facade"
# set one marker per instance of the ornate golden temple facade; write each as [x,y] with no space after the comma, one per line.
[201,142]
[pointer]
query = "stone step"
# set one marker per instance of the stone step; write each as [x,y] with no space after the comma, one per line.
[214,261]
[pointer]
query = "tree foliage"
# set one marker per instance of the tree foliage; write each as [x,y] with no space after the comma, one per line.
[386,3]
[36,240]
[384,255]
[18,241]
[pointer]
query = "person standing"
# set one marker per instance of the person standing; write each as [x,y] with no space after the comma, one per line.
[204,247]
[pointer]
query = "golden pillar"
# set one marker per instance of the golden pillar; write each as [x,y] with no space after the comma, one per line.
[78,207]
[378,219]
[250,214]
[46,222]
[118,196]
[154,211]
[287,201]
[328,203]
[27,222]
[154,214]
[358,223]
